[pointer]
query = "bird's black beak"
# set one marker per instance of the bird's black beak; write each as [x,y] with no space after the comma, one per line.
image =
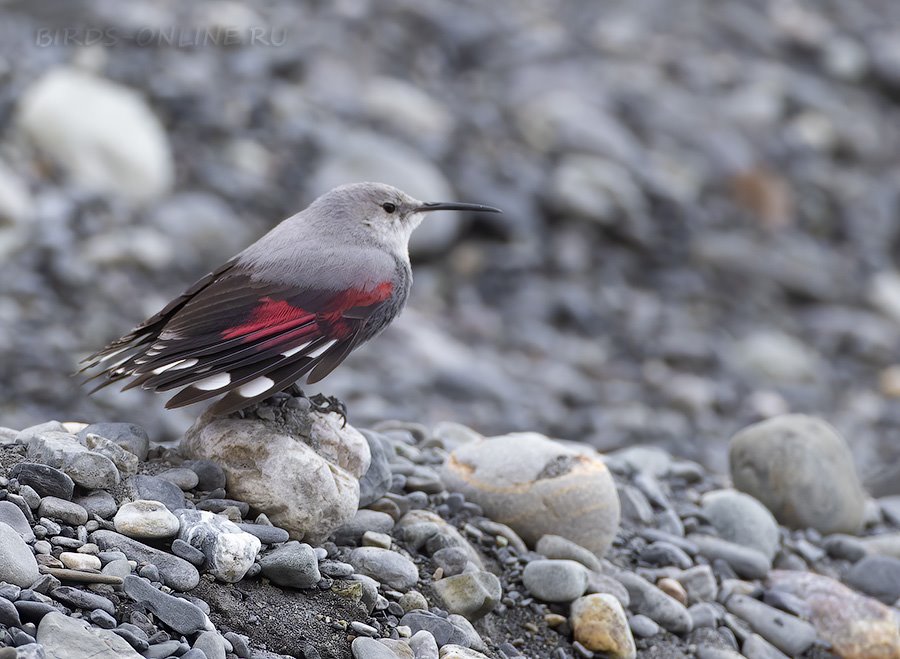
[456,206]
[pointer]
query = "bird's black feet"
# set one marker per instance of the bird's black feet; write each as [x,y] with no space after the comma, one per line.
[325,404]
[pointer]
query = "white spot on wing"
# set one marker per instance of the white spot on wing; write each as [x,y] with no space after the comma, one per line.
[313,353]
[175,366]
[112,354]
[256,387]
[213,382]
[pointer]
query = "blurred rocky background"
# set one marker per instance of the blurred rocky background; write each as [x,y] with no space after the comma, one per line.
[701,202]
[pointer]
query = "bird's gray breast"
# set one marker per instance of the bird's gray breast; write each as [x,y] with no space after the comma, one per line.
[391,308]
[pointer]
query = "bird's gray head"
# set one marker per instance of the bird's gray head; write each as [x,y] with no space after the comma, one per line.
[379,213]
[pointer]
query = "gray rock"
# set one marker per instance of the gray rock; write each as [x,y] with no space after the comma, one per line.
[443,631]
[556,546]
[45,480]
[878,576]
[471,595]
[554,580]
[126,461]
[741,519]
[642,626]
[184,478]
[119,568]
[62,636]
[665,554]
[162,650]
[424,645]
[746,562]
[452,560]
[9,616]
[602,583]
[655,604]
[191,554]
[800,468]
[210,476]
[229,551]
[699,583]
[786,632]
[146,519]
[175,572]
[706,614]
[82,599]
[425,529]
[363,520]
[17,564]
[377,480]
[175,612]
[302,471]
[292,564]
[212,644]
[129,436]
[386,566]
[369,648]
[845,547]
[12,515]
[756,647]
[549,489]
[62,451]
[267,534]
[65,511]
[151,488]
[98,502]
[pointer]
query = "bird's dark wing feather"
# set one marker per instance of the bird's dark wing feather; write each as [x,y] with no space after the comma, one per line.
[244,337]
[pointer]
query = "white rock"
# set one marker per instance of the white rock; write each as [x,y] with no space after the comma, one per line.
[104,134]
[301,469]
[229,551]
[546,489]
[146,519]
[75,561]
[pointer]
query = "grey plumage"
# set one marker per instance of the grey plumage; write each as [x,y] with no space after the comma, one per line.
[294,304]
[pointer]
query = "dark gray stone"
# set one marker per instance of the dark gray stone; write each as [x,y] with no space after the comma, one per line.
[98,502]
[188,552]
[82,599]
[878,576]
[152,488]
[292,564]
[444,631]
[9,616]
[175,572]
[176,613]
[211,476]
[268,535]
[43,479]
[786,632]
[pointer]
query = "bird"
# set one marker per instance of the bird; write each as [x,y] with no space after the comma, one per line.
[291,306]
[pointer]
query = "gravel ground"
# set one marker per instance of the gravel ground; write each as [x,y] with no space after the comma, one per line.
[700,205]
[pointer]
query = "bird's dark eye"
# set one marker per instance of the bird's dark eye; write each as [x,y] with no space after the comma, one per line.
[389,207]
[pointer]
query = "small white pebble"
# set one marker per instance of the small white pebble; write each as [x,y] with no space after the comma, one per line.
[76,561]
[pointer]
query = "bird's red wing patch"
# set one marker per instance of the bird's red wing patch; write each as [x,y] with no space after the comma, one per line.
[269,317]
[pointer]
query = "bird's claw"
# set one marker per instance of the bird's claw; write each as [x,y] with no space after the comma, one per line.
[326,404]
